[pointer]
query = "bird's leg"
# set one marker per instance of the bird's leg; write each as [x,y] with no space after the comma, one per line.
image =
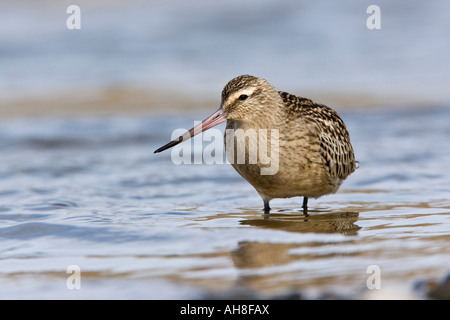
[266,207]
[305,206]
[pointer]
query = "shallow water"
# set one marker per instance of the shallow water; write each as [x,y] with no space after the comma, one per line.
[89,192]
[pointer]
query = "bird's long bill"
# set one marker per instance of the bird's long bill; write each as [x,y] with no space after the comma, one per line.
[213,120]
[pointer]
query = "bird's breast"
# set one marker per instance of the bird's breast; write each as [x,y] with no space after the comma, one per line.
[277,163]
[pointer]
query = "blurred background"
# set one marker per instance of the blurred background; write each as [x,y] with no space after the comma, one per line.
[81,112]
[159,55]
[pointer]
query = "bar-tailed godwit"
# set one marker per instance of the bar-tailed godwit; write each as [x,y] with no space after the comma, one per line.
[314,153]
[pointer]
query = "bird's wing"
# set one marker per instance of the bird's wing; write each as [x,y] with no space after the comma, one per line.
[336,149]
[334,139]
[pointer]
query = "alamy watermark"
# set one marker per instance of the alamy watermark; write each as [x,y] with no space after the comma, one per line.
[373,22]
[374,280]
[74,279]
[248,146]
[73,22]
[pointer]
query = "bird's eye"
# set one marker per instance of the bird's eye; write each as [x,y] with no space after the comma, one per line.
[243,97]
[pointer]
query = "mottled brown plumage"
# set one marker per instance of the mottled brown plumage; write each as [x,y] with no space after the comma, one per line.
[308,142]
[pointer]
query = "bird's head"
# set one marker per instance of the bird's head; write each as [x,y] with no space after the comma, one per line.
[244,99]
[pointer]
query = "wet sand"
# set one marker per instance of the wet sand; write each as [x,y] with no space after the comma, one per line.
[118,101]
[147,101]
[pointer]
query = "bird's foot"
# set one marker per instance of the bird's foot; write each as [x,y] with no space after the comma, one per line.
[305,211]
[266,207]
[305,206]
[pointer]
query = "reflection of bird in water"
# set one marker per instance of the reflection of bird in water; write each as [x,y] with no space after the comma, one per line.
[336,222]
[251,254]
[313,154]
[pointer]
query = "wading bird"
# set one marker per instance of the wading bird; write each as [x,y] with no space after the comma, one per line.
[313,150]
